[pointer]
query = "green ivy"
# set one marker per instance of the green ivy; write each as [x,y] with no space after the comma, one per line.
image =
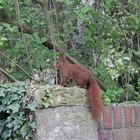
[47,99]
[106,40]
[16,113]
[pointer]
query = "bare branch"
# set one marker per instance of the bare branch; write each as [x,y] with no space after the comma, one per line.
[3,54]
[8,75]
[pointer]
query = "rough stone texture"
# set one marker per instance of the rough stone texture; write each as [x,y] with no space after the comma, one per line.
[62,96]
[65,123]
[68,116]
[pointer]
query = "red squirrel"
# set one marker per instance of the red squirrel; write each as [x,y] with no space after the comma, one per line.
[84,79]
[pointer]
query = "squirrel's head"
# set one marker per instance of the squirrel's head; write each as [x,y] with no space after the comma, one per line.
[61,61]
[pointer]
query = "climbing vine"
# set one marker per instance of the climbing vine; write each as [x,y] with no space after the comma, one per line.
[16,113]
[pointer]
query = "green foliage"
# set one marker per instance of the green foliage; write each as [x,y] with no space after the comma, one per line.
[25,50]
[114,96]
[106,40]
[47,99]
[16,113]
[38,54]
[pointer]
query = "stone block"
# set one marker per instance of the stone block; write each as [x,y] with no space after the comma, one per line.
[65,123]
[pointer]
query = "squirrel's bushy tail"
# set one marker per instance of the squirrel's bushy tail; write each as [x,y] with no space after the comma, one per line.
[95,99]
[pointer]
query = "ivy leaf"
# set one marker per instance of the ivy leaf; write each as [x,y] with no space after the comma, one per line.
[2,108]
[1,126]
[9,125]
[2,39]
[46,104]
[15,97]
[24,130]
[5,133]
[43,39]
[33,125]
[32,106]
[17,123]
[14,107]
[6,100]
[2,93]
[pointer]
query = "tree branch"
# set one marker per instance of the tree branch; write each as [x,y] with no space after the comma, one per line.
[7,74]
[16,64]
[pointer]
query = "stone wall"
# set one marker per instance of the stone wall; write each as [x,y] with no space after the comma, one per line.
[65,123]
[69,118]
